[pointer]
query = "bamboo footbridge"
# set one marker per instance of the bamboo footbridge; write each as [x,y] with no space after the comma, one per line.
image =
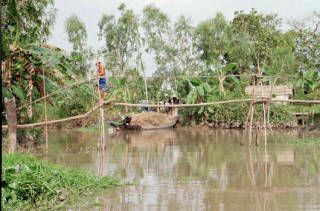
[266,101]
[112,103]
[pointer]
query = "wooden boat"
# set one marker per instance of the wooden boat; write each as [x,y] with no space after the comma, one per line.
[125,126]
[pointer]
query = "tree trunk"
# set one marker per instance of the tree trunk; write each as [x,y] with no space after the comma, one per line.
[12,123]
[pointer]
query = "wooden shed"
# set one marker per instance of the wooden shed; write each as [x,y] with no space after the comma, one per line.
[281,92]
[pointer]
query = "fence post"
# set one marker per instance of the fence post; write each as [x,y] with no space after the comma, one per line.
[12,123]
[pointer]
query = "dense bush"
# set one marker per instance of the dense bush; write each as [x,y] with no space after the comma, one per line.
[235,116]
[280,116]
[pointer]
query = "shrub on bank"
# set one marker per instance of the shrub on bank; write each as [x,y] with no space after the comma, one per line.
[28,183]
[235,116]
[280,116]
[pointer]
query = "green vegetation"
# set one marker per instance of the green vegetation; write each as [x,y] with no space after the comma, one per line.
[28,183]
[308,141]
[250,43]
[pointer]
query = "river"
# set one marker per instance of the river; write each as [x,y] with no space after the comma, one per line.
[196,169]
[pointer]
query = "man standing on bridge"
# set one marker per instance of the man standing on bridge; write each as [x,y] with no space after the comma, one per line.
[102,81]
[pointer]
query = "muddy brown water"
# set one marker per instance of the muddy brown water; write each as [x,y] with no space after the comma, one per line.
[196,169]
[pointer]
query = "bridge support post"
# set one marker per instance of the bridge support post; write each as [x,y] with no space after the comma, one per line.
[251,121]
[102,130]
[12,123]
[251,111]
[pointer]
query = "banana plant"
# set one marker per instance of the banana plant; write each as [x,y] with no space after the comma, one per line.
[199,93]
[120,89]
[26,66]
[309,81]
[222,72]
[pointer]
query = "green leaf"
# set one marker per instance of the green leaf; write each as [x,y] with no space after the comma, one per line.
[229,67]
[299,83]
[206,87]
[6,93]
[194,96]
[195,81]
[189,97]
[200,90]
[201,110]
[115,81]
[237,81]
[123,81]
[117,92]
[19,93]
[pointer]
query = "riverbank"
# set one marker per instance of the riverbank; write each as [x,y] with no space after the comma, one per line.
[220,117]
[28,183]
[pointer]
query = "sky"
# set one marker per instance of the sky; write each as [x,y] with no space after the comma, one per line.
[90,12]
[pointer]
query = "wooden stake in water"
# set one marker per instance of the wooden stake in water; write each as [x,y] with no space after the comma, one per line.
[251,121]
[102,130]
[251,113]
[257,136]
[268,106]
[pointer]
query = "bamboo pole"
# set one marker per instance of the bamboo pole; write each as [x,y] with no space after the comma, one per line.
[158,103]
[251,167]
[121,76]
[45,110]
[242,138]
[146,88]
[125,99]
[265,144]
[266,157]
[32,125]
[102,129]
[268,106]
[181,105]
[252,112]
[169,76]
[257,136]
[250,125]
[296,101]
[264,121]
[38,124]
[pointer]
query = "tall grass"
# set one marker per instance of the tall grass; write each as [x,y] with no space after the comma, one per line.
[28,183]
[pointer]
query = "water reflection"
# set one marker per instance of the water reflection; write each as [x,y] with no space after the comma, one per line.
[197,169]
